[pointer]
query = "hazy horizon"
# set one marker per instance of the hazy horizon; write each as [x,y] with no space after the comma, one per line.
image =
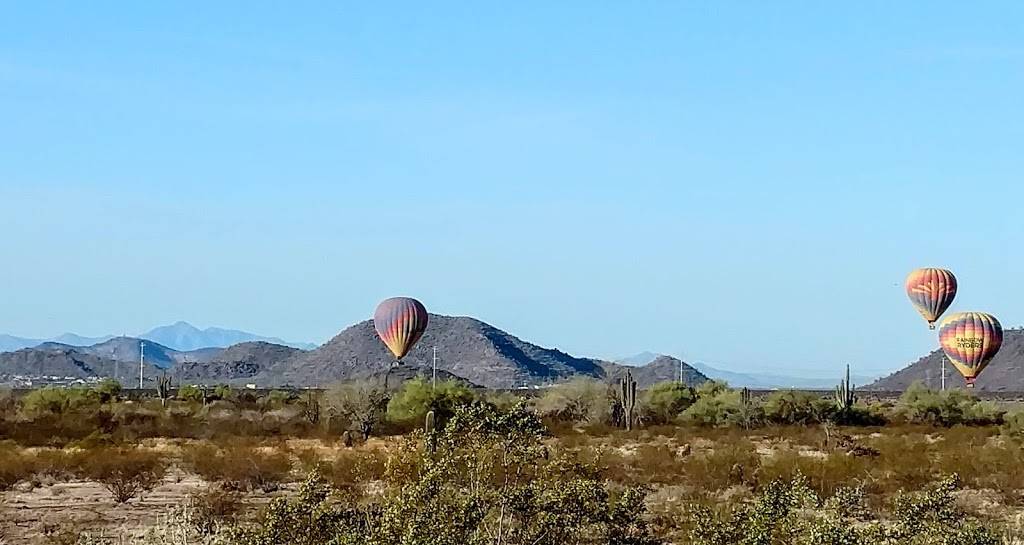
[746,185]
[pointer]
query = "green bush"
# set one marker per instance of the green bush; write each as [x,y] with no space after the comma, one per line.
[190,393]
[796,407]
[665,401]
[578,401]
[417,397]
[57,401]
[920,405]
[107,390]
[223,392]
[788,512]
[718,407]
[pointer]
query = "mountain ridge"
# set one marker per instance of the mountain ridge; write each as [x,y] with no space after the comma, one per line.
[180,336]
[1005,373]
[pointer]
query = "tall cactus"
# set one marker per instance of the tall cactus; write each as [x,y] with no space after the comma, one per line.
[428,423]
[311,408]
[627,398]
[844,394]
[163,388]
[745,396]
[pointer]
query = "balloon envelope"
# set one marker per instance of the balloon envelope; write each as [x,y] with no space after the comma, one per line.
[400,322]
[970,340]
[931,291]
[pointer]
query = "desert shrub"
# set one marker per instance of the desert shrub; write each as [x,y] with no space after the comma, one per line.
[275,400]
[657,464]
[417,397]
[352,470]
[665,401]
[716,407]
[124,472]
[223,392]
[107,390]
[308,518]
[238,466]
[1013,424]
[579,401]
[15,466]
[861,414]
[770,519]
[825,474]
[8,403]
[728,464]
[904,461]
[918,404]
[58,464]
[787,512]
[796,407]
[501,399]
[56,401]
[213,508]
[190,393]
[362,404]
[485,475]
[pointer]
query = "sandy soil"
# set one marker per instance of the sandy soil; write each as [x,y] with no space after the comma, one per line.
[28,515]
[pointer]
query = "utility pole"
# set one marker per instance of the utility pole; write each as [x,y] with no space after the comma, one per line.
[142,359]
[943,374]
[680,371]
[433,380]
[117,365]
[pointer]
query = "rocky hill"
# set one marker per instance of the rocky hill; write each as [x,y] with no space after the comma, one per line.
[1005,373]
[466,347]
[660,369]
[235,363]
[56,360]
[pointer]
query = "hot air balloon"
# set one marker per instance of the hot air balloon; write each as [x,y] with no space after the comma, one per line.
[970,340]
[400,322]
[931,291]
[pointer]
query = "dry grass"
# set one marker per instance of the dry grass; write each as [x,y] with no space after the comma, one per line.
[239,465]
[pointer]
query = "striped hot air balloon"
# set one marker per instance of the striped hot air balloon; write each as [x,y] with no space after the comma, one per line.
[931,291]
[970,340]
[400,322]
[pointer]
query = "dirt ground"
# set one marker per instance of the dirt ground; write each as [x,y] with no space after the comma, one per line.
[39,515]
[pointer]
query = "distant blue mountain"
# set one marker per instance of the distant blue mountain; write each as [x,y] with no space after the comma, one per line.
[10,343]
[764,381]
[183,336]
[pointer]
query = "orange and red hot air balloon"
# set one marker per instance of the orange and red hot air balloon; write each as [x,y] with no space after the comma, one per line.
[931,291]
[970,340]
[400,322]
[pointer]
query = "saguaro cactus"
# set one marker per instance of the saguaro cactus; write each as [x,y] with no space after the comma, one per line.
[844,394]
[163,388]
[428,424]
[627,398]
[745,396]
[311,408]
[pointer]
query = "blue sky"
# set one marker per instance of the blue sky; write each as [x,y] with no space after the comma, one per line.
[735,182]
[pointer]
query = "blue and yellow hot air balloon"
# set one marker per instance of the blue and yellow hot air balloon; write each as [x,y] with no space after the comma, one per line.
[400,322]
[970,340]
[931,291]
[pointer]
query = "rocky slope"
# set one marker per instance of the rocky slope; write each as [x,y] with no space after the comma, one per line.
[1005,373]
